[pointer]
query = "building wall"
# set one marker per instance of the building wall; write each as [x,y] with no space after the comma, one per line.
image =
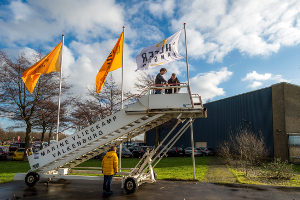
[286,116]
[225,117]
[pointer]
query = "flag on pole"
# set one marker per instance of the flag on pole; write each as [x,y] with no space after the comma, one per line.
[161,53]
[50,63]
[113,62]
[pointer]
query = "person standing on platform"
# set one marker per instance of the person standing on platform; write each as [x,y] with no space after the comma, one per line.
[173,81]
[109,168]
[160,79]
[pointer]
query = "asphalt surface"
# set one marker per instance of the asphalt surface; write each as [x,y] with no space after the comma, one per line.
[82,189]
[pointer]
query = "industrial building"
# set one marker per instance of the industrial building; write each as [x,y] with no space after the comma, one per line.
[273,111]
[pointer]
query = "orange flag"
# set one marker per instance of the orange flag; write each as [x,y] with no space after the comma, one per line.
[50,63]
[113,62]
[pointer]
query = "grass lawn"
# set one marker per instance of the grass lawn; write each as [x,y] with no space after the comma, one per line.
[9,168]
[254,177]
[296,168]
[173,168]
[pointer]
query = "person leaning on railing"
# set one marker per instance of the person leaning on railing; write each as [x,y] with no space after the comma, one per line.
[159,79]
[173,81]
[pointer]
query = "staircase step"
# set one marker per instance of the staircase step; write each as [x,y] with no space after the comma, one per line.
[105,142]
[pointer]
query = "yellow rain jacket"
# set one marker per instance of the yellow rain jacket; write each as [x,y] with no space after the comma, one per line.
[110,163]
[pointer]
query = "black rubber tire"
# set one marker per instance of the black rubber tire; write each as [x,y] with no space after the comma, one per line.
[31,178]
[154,174]
[203,154]
[130,185]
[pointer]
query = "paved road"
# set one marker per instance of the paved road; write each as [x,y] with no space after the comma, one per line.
[81,189]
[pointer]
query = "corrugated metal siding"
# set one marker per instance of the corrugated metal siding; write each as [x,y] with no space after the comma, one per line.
[225,117]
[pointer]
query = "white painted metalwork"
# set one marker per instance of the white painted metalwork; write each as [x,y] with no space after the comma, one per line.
[151,110]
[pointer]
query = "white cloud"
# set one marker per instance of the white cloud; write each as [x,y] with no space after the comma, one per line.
[255,28]
[160,7]
[206,84]
[83,65]
[255,84]
[214,29]
[20,10]
[258,78]
[156,9]
[36,20]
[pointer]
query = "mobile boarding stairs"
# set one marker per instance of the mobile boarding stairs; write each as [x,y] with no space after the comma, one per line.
[150,110]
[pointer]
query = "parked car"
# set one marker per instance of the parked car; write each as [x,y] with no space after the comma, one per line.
[161,148]
[14,147]
[188,151]
[133,147]
[206,151]
[125,152]
[19,154]
[139,152]
[37,147]
[176,151]
[4,150]
[140,144]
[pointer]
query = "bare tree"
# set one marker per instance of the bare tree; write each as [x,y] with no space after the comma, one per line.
[2,134]
[97,106]
[14,96]
[46,117]
[84,113]
[143,80]
[249,147]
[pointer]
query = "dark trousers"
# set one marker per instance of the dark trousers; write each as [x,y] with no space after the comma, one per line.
[107,182]
[158,91]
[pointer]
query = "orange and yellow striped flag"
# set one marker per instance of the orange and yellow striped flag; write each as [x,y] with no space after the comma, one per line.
[50,63]
[113,62]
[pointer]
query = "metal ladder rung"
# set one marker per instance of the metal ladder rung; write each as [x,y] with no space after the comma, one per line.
[97,143]
[124,128]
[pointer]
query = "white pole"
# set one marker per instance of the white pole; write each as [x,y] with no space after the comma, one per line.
[188,81]
[193,157]
[57,129]
[121,145]
[186,57]
[122,68]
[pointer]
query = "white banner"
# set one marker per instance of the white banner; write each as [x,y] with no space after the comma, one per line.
[161,53]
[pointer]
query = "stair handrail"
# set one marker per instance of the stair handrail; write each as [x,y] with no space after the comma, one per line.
[137,96]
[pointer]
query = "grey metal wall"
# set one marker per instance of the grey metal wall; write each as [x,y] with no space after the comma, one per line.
[226,116]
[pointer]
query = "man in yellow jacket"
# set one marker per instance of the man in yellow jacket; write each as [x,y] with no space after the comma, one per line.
[109,168]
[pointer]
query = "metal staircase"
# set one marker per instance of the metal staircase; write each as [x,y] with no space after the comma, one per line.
[103,144]
[149,111]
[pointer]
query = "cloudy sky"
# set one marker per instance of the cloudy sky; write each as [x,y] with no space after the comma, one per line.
[233,46]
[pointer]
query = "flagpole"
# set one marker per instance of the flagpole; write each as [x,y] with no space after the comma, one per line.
[121,145]
[57,129]
[122,68]
[186,57]
[188,80]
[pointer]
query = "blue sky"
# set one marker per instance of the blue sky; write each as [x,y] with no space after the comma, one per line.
[233,46]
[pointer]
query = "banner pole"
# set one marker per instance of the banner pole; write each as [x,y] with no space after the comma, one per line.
[122,67]
[186,57]
[121,145]
[57,129]
[188,81]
